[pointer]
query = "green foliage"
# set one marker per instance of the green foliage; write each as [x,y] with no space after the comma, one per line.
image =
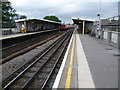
[23,17]
[9,15]
[52,18]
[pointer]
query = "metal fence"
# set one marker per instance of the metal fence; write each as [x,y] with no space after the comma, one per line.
[111,24]
[110,30]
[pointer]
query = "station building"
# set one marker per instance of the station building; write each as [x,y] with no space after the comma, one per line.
[84,25]
[29,25]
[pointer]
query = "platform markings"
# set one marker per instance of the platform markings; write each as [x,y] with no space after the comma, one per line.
[19,35]
[59,75]
[68,80]
[85,79]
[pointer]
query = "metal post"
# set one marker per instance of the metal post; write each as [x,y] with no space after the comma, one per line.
[109,35]
[101,34]
[119,44]
[119,36]
[99,26]
[25,29]
[119,26]
[83,28]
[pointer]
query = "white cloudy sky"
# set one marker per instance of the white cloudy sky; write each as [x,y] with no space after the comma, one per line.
[66,9]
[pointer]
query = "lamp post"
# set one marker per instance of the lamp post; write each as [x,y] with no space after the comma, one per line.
[119,30]
[99,20]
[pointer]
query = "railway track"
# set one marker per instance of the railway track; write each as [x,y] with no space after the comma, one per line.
[37,73]
[20,48]
[9,50]
[50,81]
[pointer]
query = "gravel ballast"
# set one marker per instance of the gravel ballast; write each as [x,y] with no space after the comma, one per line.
[12,65]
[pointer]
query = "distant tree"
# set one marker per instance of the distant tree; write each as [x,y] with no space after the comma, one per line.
[52,18]
[23,17]
[9,15]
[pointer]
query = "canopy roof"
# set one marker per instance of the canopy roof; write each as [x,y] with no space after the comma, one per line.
[21,20]
[80,20]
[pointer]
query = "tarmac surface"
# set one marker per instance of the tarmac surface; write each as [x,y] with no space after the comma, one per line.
[89,63]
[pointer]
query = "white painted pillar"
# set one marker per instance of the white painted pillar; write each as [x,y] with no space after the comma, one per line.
[83,28]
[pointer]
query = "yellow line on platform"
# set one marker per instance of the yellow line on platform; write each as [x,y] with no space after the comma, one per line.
[68,80]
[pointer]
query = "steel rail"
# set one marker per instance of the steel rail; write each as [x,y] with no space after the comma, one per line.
[22,42]
[5,81]
[32,78]
[27,68]
[43,86]
[27,49]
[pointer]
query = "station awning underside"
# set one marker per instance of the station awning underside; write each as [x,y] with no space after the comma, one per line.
[78,21]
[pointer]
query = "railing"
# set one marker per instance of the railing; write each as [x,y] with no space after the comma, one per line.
[110,36]
[110,30]
[111,24]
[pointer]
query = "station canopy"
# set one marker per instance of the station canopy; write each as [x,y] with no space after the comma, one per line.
[43,20]
[80,20]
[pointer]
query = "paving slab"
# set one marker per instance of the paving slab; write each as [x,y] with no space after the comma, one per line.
[94,64]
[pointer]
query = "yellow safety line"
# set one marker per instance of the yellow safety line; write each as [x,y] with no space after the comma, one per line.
[68,80]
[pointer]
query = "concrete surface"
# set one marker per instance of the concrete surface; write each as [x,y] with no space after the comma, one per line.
[94,64]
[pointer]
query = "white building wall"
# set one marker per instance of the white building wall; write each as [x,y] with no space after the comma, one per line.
[19,26]
[114,37]
[30,26]
[105,35]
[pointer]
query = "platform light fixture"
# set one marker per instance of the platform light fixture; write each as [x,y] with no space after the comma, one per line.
[99,20]
[99,16]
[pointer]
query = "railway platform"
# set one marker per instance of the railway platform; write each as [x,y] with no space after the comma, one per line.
[88,63]
[11,36]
